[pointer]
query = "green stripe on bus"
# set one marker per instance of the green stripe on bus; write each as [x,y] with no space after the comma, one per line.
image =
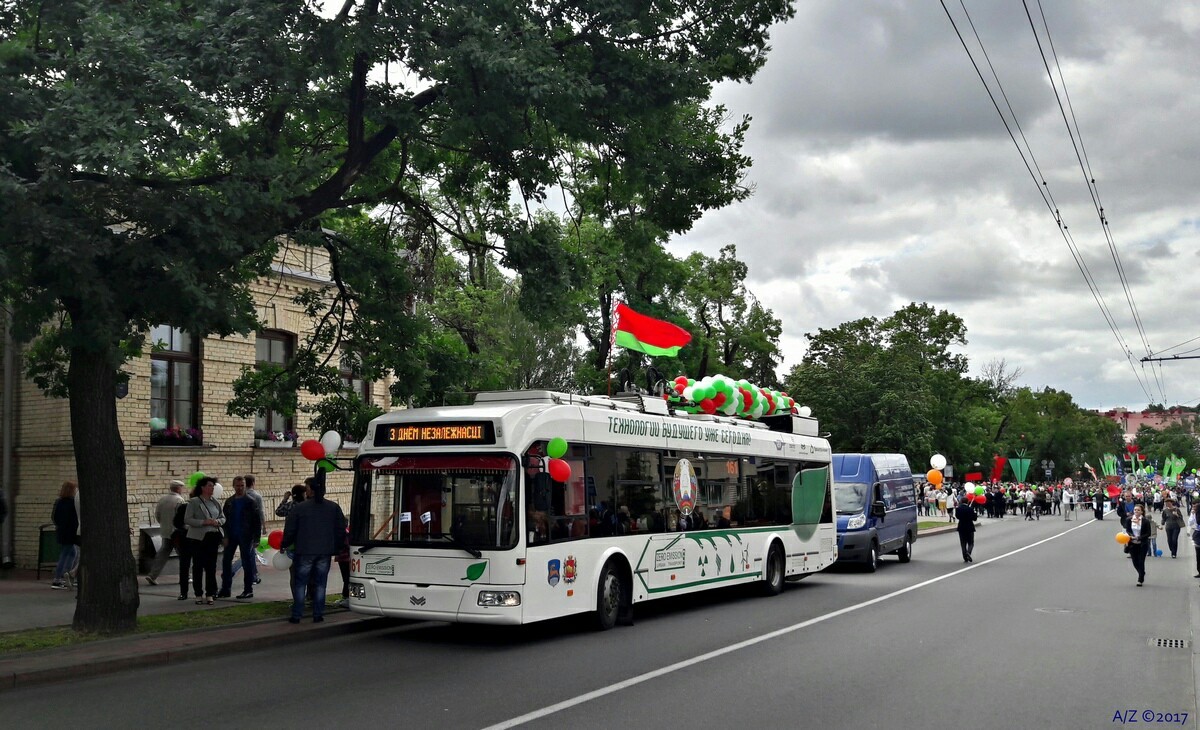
[704,582]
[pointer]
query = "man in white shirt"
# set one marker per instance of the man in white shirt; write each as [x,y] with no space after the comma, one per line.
[164,512]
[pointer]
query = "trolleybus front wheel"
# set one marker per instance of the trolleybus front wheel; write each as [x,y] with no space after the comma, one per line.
[610,593]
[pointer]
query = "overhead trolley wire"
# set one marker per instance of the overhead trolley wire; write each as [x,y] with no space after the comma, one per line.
[1085,168]
[1043,190]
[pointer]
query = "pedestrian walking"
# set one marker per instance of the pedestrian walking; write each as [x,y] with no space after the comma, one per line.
[253,493]
[164,513]
[966,530]
[66,526]
[243,529]
[1172,519]
[185,548]
[204,520]
[1193,524]
[1138,530]
[951,504]
[315,529]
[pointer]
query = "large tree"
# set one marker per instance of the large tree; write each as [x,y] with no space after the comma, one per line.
[154,154]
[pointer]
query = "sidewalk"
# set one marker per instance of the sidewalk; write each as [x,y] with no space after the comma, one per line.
[27,603]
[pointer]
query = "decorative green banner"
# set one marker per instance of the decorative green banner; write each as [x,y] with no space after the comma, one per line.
[1020,467]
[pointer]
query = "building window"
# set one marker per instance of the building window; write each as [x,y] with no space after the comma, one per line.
[352,382]
[273,347]
[174,387]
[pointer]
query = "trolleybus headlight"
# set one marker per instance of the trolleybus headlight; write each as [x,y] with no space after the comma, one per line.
[358,590]
[856,522]
[499,598]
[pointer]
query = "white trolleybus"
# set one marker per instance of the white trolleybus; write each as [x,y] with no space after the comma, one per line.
[455,516]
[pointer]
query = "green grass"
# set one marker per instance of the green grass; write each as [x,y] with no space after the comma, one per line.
[928,525]
[53,637]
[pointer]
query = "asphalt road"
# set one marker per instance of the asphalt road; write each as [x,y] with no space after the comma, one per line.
[1045,629]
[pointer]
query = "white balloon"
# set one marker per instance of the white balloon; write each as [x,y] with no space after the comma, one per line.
[804,411]
[969,486]
[281,561]
[218,491]
[687,393]
[332,441]
[937,461]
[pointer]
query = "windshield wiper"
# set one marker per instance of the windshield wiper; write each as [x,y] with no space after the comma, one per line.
[455,542]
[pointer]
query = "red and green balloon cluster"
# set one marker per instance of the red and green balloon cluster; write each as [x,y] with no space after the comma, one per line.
[722,394]
[556,466]
[975,494]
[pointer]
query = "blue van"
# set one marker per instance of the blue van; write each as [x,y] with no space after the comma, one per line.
[876,504]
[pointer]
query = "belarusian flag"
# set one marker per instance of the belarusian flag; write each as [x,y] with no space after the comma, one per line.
[646,334]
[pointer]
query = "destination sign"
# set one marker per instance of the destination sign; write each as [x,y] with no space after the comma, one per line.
[442,433]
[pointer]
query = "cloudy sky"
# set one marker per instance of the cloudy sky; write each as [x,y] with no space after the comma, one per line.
[884,175]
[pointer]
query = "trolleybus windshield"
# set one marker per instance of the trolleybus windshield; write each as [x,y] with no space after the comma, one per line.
[453,501]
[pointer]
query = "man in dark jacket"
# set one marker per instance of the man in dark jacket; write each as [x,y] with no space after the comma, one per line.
[315,529]
[242,530]
[966,529]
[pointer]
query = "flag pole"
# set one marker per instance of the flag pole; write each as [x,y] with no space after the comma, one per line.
[612,342]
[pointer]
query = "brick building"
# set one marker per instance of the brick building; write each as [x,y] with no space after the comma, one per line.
[181,381]
[1131,421]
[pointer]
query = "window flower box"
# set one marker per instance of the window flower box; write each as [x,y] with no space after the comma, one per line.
[176,436]
[275,439]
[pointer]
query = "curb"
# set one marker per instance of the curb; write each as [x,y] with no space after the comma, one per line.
[174,647]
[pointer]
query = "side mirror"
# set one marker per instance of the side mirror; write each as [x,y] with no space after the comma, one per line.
[878,509]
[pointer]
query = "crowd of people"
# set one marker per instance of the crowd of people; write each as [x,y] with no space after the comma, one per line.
[200,527]
[1147,512]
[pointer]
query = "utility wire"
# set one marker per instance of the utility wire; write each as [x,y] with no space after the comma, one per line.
[1086,169]
[1181,344]
[1042,187]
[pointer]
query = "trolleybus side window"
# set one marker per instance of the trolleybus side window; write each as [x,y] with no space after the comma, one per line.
[629,498]
[766,498]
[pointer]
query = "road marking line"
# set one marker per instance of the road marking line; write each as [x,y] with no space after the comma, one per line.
[671,668]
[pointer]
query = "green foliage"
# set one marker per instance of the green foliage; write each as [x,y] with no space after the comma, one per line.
[1155,445]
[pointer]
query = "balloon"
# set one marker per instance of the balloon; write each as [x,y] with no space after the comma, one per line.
[934,477]
[1068,482]
[281,561]
[195,477]
[1158,553]
[312,450]
[805,411]
[688,393]
[275,539]
[264,545]
[560,471]
[707,406]
[981,491]
[937,461]
[332,441]
[969,486]
[218,491]
[327,465]
[557,448]
[1123,538]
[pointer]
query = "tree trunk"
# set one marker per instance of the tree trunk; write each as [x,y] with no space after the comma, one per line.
[108,592]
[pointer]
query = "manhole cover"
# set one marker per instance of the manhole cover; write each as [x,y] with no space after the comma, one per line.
[1056,610]
[1170,643]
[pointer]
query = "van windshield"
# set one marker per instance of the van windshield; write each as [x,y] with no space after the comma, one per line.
[850,497]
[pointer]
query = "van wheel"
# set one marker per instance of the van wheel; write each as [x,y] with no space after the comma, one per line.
[773,573]
[905,553]
[873,558]
[609,594]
